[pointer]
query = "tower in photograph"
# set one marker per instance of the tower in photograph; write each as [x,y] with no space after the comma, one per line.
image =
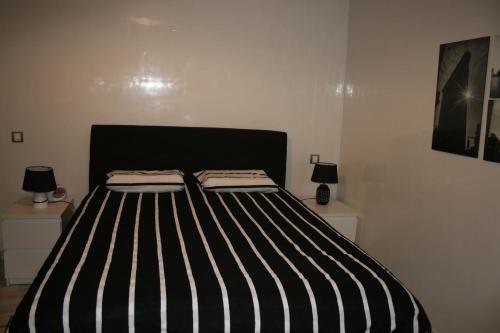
[452,126]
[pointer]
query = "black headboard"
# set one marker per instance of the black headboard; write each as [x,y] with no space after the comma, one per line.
[125,147]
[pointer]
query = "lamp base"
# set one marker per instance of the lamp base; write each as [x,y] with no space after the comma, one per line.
[40,200]
[323,194]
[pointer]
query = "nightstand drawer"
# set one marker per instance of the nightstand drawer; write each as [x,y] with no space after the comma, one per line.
[30,234]
[22,264]
[346,225]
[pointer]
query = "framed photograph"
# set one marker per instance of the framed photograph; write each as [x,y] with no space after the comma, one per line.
[492,141]
[495,69]
[460,95]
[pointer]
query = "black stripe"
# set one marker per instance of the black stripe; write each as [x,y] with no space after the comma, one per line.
[115,297]
[147,290]
[179,313]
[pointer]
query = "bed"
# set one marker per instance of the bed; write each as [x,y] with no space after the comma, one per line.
[198,261]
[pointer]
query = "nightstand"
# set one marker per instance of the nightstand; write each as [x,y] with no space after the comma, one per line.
[29,235]
[340,216]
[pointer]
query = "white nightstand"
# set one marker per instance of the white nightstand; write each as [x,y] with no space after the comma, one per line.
[28,237]
[340,216]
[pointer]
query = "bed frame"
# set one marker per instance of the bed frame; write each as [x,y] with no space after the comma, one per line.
[190,149]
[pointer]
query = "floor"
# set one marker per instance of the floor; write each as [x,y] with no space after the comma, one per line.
[9,299]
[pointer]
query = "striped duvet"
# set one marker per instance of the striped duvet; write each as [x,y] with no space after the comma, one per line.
[194,261]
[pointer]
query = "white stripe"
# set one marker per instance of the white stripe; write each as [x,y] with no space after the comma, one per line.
[192,285]
[163,292]
[415,315]
[104,276]
[133,273]
[34,305]
[312,299]
[286,309]
[340,304]
[222,285]
[255,299]
[83,258]
[382,283]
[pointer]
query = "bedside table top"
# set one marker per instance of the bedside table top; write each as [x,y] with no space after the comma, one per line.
[24,209]
[336,207]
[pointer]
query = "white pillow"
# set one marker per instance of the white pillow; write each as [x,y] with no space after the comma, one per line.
[142,181]
[236,181]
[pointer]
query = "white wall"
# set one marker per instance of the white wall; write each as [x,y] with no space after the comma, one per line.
[431,217]
[251,64]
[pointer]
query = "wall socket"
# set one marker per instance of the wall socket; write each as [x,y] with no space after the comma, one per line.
[17,136]
[314,158]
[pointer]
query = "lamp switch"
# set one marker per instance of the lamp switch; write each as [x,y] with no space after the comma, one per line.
[314,158]
[17,137]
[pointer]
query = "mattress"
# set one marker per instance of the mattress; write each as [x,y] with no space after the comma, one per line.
[195,261]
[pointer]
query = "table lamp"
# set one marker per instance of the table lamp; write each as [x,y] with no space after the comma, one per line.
[324,173]
[39,180]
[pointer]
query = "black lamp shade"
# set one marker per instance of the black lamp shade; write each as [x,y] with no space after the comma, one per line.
[39,179]
[325,173]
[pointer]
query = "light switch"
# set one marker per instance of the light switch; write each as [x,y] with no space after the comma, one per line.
[314,158]
[17,137]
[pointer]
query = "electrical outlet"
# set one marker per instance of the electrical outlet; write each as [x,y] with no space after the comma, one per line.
[17,137]
[314,158]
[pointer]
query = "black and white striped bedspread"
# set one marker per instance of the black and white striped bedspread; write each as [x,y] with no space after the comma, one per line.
[193,261]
